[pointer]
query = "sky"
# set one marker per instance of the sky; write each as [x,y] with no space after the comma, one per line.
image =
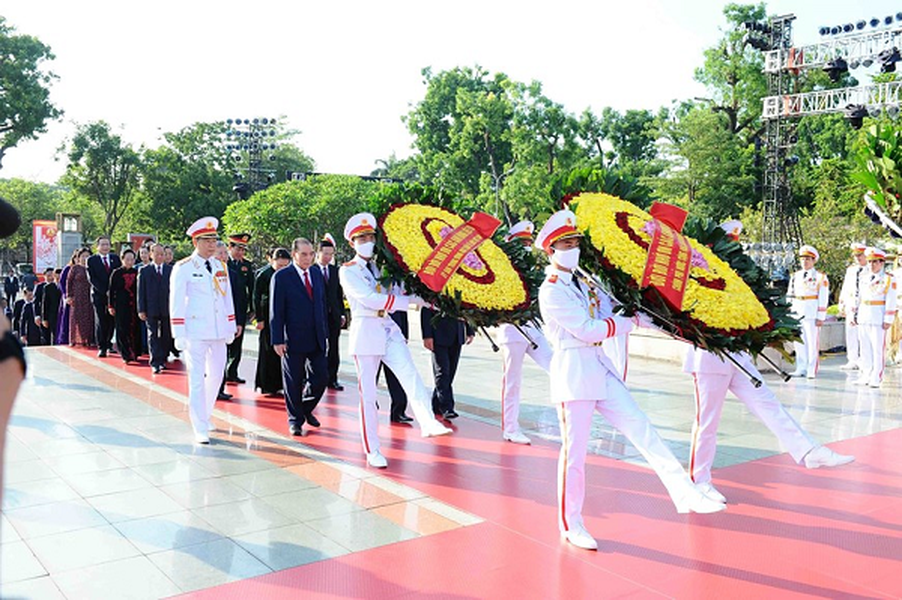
[343,73]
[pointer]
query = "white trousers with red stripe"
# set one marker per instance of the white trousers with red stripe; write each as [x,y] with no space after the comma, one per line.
[206,367]
[853,343]
[807,350]
[617,349]
[397,358]
[873,354]
[622,412]
[711,391]
[512,358]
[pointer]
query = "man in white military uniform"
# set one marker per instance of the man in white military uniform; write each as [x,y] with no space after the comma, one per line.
[714,377]
[583,380]
[808,292]
[203,321]
[514,348]
[848,300]
[375,338]
[874,316]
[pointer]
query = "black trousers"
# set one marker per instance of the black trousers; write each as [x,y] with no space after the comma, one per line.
[444,367]
[333,359]
[304,381]
[234,356]
[159,338]
[50,331]
[104,324]
[396,391]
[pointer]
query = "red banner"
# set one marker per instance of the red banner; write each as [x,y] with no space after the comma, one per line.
[667,265]
[43,245]
[447,256]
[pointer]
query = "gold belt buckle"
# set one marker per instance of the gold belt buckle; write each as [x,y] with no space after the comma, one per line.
[380,313]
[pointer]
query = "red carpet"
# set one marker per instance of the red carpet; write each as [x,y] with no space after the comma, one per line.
[788,533]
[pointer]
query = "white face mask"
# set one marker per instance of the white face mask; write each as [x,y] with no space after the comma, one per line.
[568,259]
[365,249]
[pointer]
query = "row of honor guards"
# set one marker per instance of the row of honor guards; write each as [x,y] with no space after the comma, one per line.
[580,336]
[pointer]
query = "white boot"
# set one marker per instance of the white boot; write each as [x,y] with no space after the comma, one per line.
[711,492]
[823,456]
[579,537]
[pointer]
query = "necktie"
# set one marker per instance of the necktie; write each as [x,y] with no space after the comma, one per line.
[106,262]
[326,274]
[308,286]
[209,268]
[159,270]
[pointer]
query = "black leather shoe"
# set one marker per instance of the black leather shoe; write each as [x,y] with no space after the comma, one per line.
[223,396]
[336,386]
[401,419]
[235,380]
[295,430]
[157,370]
[101,354]
[313,421]
[450,414]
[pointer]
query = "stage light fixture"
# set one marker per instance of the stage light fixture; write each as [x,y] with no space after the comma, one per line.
[888,20]
[860,25]
[874,111]
[824,30]
[854,64]
[867,62]
[888,59]
[848,28]
[835,68]
[874,22]
[892,111]
[855,113]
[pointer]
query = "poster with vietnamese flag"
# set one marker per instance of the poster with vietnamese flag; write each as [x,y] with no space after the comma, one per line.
[44,245]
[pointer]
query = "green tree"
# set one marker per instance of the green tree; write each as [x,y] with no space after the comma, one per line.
[25,106]
[321,204]
[103,169]
[34,201]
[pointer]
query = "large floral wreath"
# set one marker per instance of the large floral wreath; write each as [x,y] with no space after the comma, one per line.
[727,303]
[496,283]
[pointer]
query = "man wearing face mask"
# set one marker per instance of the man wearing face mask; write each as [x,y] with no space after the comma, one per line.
[374,338]
[808,291]
[583,380]
[514,348]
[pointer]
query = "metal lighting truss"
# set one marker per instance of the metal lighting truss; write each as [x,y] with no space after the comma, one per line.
[854,48]
[832,101]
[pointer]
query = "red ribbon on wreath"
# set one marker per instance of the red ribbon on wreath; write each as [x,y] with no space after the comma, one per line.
[669,255]
[449,253]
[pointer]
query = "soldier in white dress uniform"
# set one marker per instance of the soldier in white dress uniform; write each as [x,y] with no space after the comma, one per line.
[808,292]
[514,348]
[714,377]
[202,316]
[874,315]
[375,338]
[583,380]
[848,300]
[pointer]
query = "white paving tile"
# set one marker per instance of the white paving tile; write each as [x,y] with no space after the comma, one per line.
[131,578]
[50,519]
[167,532]
[83,548]
[208,564]
[18,563]
[134,504]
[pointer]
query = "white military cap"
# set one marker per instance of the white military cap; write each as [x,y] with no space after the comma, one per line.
[360,224]
[559,226]
[521,230]
[809,251]
[875,254]
[204,227]
[733,229]
[857,248]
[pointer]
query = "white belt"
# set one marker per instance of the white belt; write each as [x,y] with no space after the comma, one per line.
[360,313]
[574,343]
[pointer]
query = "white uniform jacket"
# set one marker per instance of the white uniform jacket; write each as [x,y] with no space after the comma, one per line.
[808,292]
[200,302]
[851,285]
[702,361]
[370,306]
[575,326]
[877,302]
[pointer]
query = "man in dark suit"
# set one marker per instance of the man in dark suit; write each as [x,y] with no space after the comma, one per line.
[335,306]
[444,336]
[38,304]
[100,266]
[11,288]
[24,323]
[300,333]
[241,278]
[47,309]
[153,306]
